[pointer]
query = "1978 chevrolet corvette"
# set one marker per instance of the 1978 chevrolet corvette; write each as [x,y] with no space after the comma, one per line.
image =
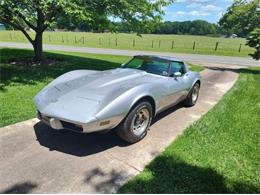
[125,98]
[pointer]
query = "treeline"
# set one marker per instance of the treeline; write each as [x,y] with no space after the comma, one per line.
[196,27]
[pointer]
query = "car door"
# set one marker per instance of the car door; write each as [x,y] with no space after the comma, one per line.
[177,85]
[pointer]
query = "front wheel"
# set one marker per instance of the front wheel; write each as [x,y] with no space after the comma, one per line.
[193,96]
[134,127]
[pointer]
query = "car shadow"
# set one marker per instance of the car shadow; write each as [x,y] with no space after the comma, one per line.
[80,144]
[20,188]
[167,112]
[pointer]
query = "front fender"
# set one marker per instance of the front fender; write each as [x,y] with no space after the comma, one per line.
[117,110]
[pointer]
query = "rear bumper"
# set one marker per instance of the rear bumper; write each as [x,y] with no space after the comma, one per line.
[58,124]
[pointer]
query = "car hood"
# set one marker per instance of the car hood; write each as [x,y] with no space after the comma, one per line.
[81,97]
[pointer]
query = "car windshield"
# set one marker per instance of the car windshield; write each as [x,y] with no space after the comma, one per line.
[150,65]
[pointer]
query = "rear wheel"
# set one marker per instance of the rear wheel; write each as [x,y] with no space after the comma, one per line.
[134,127]
[193,95]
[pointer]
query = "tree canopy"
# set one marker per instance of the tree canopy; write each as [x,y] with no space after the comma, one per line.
[254,41]
[39,15]
[242,17]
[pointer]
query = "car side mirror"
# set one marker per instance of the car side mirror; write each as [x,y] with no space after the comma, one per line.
[176,74]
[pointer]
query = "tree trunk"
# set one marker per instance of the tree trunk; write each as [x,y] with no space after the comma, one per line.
[37,46]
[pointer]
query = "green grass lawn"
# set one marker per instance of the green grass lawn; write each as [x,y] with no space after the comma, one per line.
[166,43]
[196,68]
[21,81]
[217,154]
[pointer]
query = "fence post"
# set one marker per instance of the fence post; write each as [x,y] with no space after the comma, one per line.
[133,42]
[194,45]
[83,38]
[216,46]
[116,42]
[75,39]
[152,43]
[80,40]
[109,41]
[159,43]
[62,39]
[239,50]
[172,43]
[49,38]
[11,37]
[99,41]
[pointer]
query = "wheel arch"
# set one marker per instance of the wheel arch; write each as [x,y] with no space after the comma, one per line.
[198,81]
[195,81]
[148,98]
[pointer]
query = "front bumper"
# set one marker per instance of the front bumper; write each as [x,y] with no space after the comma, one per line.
[58,124]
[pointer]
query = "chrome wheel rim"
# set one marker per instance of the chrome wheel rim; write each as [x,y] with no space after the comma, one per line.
[195,93]
[140,121]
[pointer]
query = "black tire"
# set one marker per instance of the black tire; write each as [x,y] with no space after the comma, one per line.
[125,129]
[190,101]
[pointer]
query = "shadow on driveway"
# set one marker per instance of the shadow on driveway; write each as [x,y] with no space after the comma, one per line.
[236,70]
[20,188]
[80,144]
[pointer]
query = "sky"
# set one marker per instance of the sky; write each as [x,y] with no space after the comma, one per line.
[209,10]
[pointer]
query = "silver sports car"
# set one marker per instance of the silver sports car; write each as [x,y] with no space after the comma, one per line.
[125,98]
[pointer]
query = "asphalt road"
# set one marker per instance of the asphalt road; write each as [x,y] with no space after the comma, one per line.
[193,58]
[37,159]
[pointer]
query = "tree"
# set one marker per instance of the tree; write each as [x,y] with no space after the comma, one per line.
[196,27]
[254,41]
[39,15]
[241,17]
[71,23]
[32,14]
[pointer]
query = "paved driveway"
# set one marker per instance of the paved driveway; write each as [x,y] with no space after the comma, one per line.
[193,58]
[36,159]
